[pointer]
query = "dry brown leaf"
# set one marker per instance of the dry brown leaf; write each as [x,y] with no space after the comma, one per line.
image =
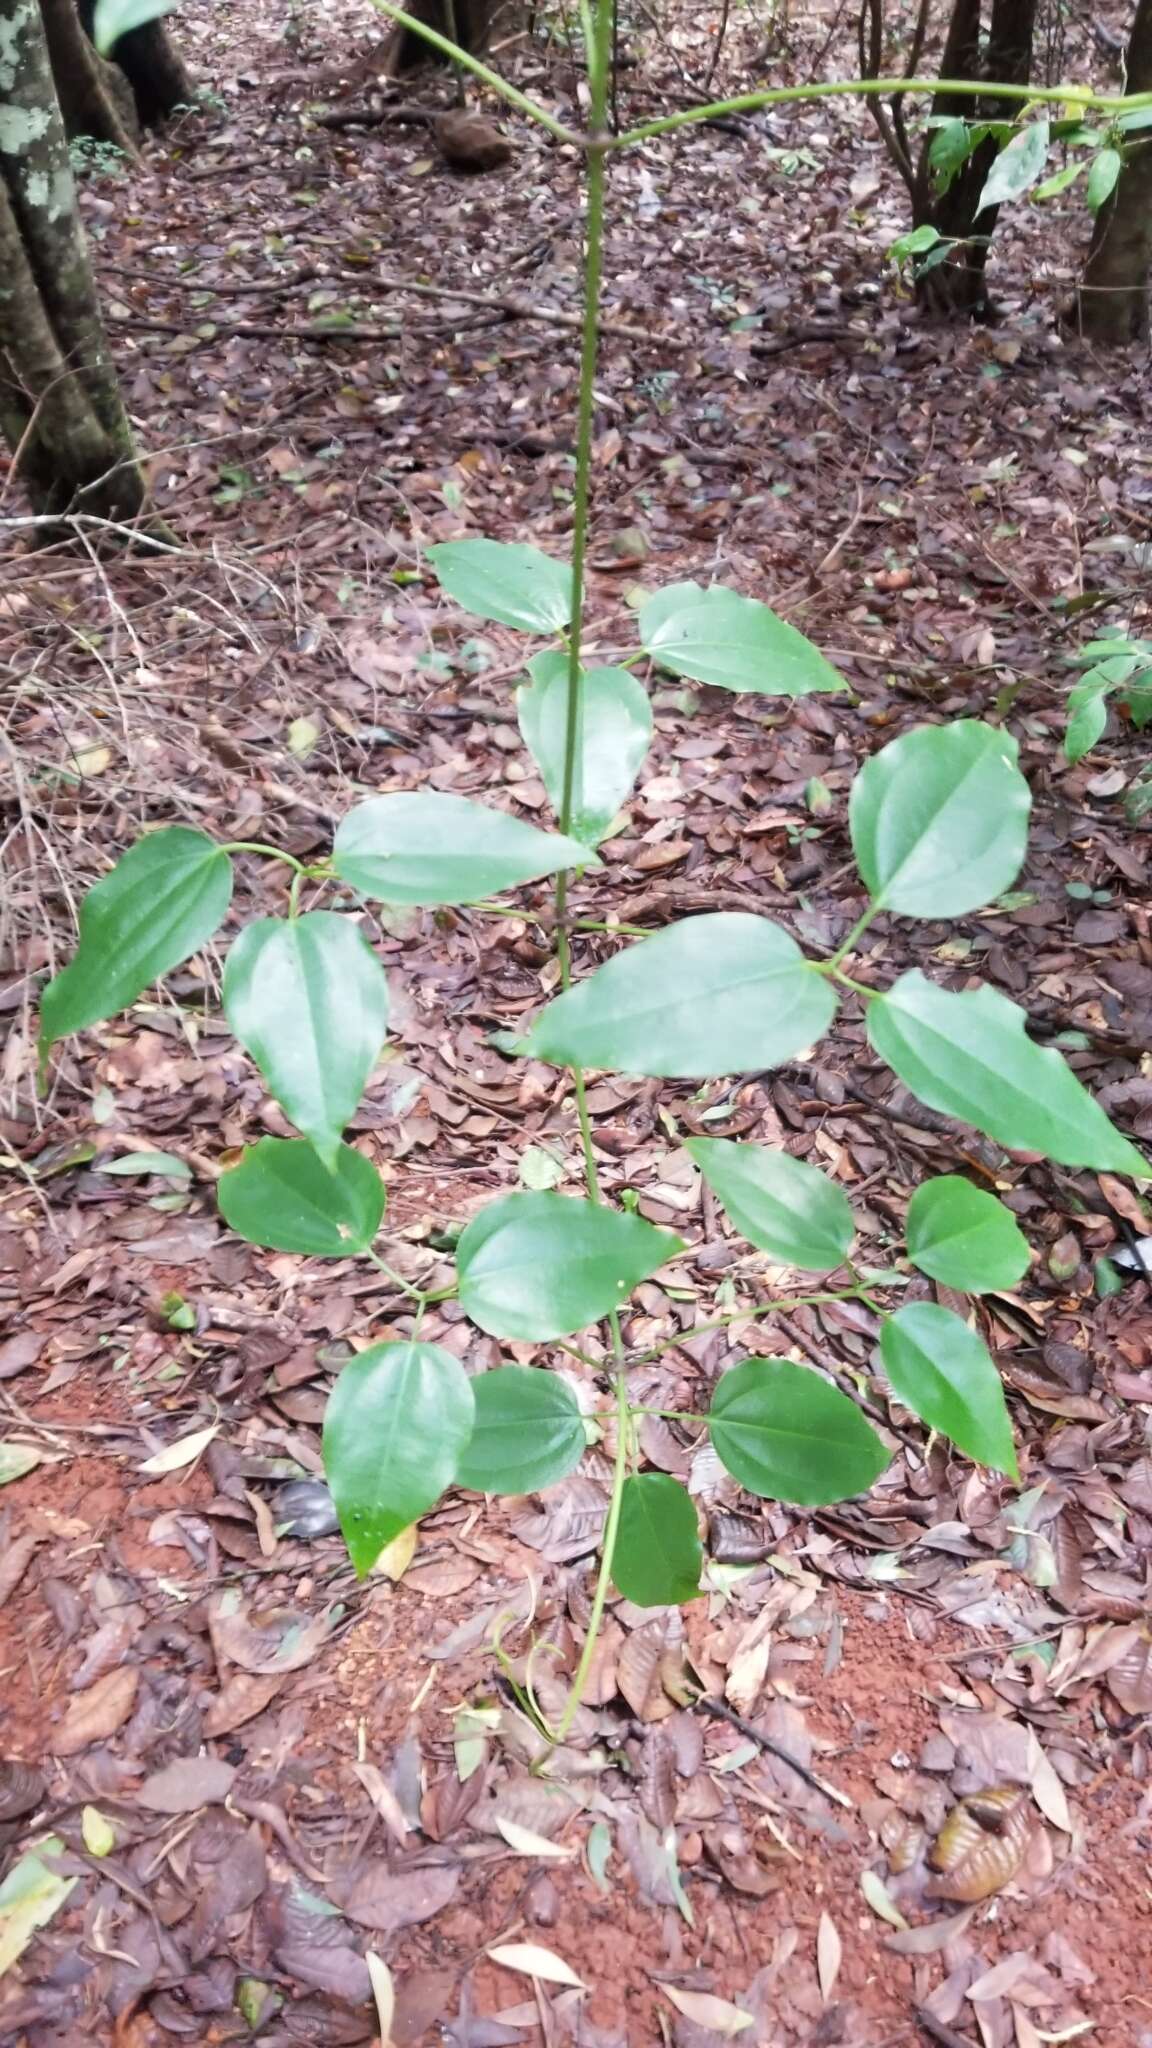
[94,1715]
[383,1799]
[245,1695]
[704,2009]
[533,1961]
[188,1783]
[1130,1679]
[184,1451]
[933,1937]
[981,1846]
[829,1955]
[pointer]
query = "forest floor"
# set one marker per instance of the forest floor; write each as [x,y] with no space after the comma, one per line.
[260,1768]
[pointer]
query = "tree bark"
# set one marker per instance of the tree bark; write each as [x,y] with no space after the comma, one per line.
[60,406]
[958,287]
[1112,302]
[95,99]
[467,22]
[160,80]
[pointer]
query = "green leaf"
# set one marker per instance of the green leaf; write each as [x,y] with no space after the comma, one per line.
[162,901]
[397,1424]
[308,998]
[779,1203]
[1086,725]
[716,636]
[431,849]
[940,1369]
[536,1266]
[30,1895]
[939,819]
[507,581]
[1058,182]
[657,1559]
[784,1432]
[146,1162]
[113,19]
[283,1196]
[1106,168]
[964,1237]
[914,243]
[528,1431]
[1017,167]
[616,734]
[949,151]
[718,994]
[969,1056]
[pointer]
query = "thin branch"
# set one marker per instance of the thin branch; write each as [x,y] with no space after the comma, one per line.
[720,1711]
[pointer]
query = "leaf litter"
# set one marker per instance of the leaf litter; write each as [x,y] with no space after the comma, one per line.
[968,1668]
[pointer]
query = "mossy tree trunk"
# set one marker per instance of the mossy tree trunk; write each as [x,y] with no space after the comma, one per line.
[60,406]
[95,99]
[1112,302]
[958,287]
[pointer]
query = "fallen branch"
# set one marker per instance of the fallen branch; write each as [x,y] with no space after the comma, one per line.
[721,1712]
[510,308]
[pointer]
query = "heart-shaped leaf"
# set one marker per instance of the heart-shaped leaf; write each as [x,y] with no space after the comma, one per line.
[940,1369]
[308,998]
[282,1195]
[398,1421]
[657,1559]
[528,1431]
[162,901]
[786,1434]
[536,1266]
[508,581]
[939,819]
[716,636]
[964,1237]
[779,1203]
[432,849]
[615,734]
[969,1056]
[711,995]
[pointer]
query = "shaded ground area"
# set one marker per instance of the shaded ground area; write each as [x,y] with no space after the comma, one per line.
[259,1769]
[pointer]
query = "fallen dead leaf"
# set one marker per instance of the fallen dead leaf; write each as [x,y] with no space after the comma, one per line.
[829,1955]
[97,1713]
[704,2009]
[533,1961]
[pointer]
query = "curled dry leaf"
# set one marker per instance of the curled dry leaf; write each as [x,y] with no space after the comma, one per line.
[829,1955]
[704,2009]
[533,1961]
[1130,1679]
[981,1846]
[188,1783]
[94,1715]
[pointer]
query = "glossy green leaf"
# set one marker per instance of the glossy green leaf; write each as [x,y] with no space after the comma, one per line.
[535,1266]
[784,1432]
[427,848]
[616,734]
[949,150]
[719,994]
[1087,716]
[528,1431]
[969,1056]
[508,581]
[716,636]
[307,997]
[397,1424]
[939,819]
[940,1369]
[283,1196]
[781,1204]
[964,1237]
[1059,181]
[162,901]
[1106,168]
[657,1559]
[1018,166]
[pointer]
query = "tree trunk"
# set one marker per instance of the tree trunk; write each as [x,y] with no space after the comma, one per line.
[1112,302]
[95,99]
[958,287]
[466,22]
[160,80]
[60,406]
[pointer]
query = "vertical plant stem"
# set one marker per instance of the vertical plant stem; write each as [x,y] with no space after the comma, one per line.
[599,58]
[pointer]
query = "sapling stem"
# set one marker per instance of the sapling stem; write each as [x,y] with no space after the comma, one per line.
[269,852]
[607,1553]
[850,943]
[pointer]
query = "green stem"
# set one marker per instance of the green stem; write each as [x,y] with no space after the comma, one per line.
[294,893]
[852,941]
[607,1554]
[456,55]
[775,96]
[419,1295]
[270,853]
